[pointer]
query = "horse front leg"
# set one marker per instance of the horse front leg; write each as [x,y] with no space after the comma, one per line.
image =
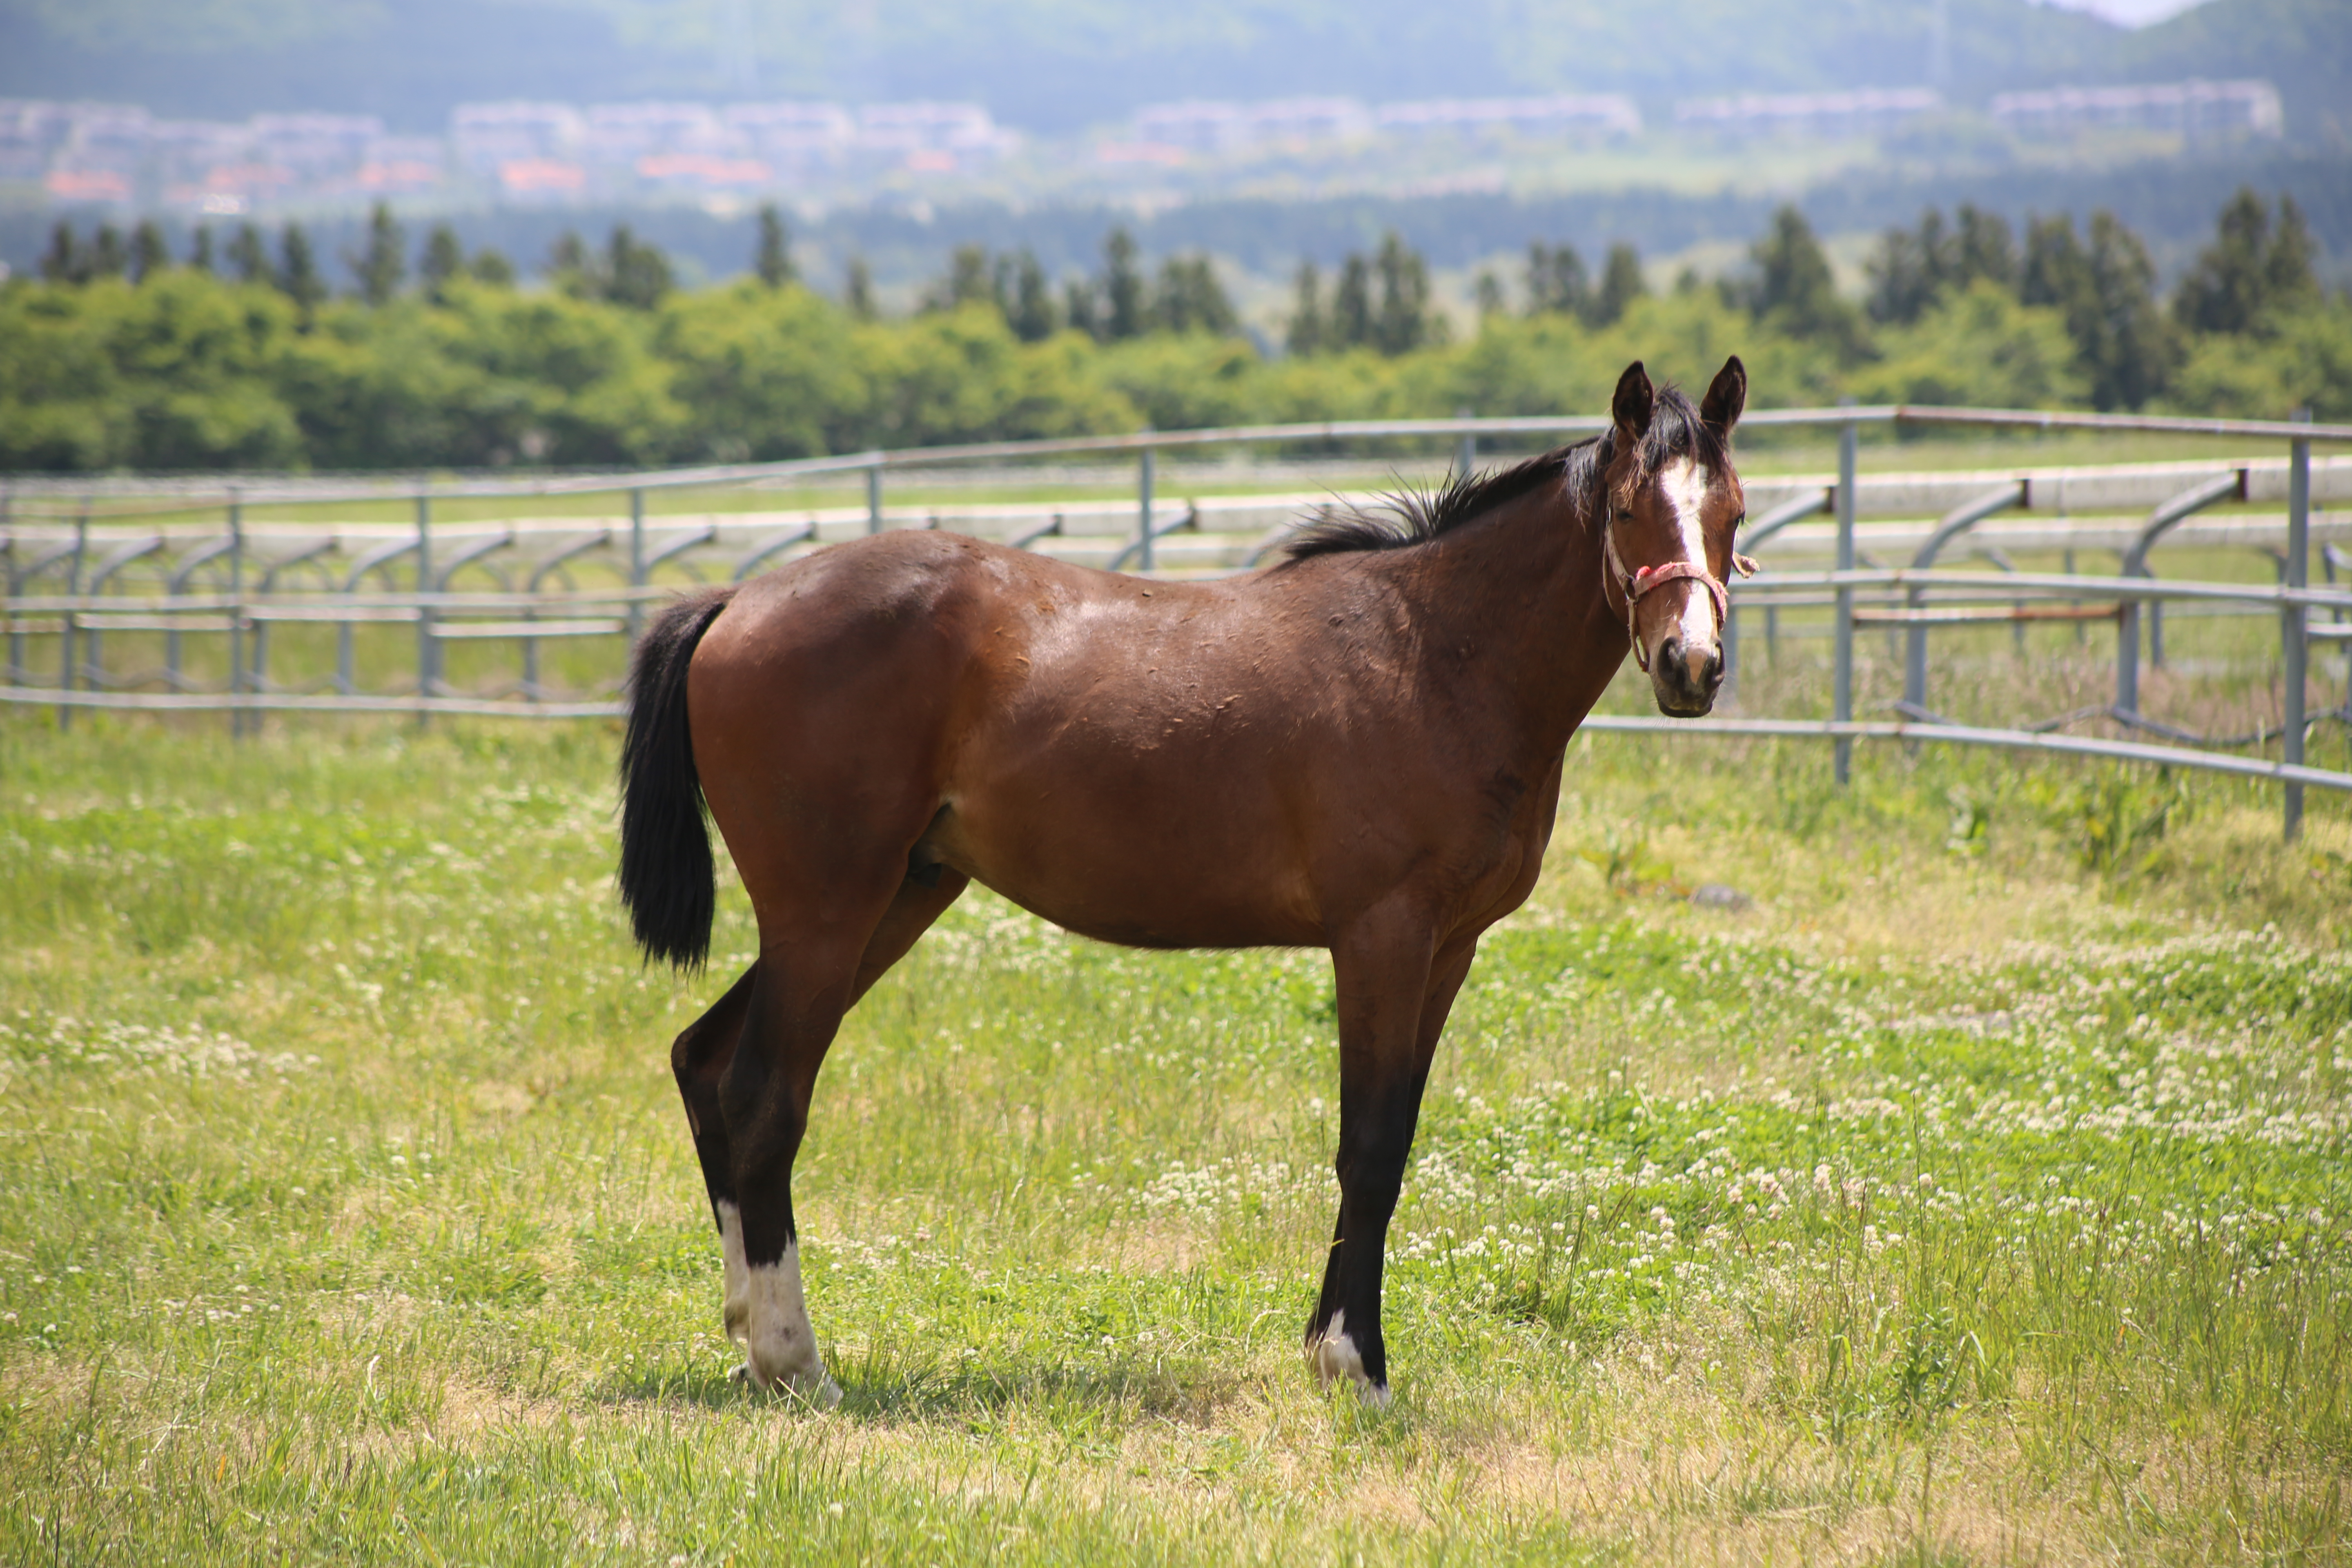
[1393,994]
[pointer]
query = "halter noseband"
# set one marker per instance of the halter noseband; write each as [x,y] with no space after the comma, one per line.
[1631,586]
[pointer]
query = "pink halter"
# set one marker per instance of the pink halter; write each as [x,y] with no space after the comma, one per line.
[1631,586]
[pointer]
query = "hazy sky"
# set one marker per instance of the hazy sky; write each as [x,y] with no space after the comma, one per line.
[2131,13]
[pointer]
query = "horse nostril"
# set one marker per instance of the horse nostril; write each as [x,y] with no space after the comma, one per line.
[1670,651]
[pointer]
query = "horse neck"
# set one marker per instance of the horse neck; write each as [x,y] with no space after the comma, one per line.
[1524,588]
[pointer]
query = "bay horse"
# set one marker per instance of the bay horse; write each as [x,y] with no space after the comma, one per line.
[1357,748]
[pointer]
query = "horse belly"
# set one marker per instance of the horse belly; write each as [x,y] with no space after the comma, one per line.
[1168,845]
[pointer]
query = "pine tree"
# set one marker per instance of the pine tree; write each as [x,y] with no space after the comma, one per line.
[575,269]
[639,273]
[1082,308]
[249,256]
[1403,322]
[1305,336]
[1491,299]
[444,258]
[2248,270]
[1350,324]
[858,289]
[1557,284]
[107,257]
[1982,249]
[297,272]
[1191,300]
[968,281]
[2130,349]
[1905,275]
[63,262]
[1032,314]
[1125,311]
[492,267]
[2054,272]
[1621,283]
[1794,287]
[148,254]
[773,262]
[382,263]
[200,250]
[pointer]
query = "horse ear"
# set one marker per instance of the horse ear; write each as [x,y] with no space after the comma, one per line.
[1725,397]
[1636,399]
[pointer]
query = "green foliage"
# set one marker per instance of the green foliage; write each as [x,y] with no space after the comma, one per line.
[1979,348]
[2249,270]
[381,264]
[772,262]
[2123,344]
[1793,290]
[1383,302]
[1910,271]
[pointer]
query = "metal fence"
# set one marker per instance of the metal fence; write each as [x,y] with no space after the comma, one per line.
[218,575]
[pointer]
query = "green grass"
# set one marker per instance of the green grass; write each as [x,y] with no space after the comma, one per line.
[1979,1194]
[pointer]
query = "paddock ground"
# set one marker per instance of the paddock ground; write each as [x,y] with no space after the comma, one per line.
[1979,1194]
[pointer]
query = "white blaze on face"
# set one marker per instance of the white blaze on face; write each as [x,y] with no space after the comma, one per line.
[1683,483]
[763,1307]
[1334,1356]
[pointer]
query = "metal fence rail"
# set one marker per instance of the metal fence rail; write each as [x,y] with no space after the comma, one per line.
[76,554]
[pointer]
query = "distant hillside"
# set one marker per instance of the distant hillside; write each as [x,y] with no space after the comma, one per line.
[1054,65]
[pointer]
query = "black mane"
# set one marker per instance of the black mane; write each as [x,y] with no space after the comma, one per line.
[1409,517]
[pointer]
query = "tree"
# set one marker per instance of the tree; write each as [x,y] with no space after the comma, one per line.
[1032,311]
[2107,290]
[1491,301]
[297,272]
[63,262]
[1082,308]
[968,281]
[640,274]
[1306,330]
[200,249]
[1191,300]
[107,257]
[382,263]
[1351,325]
[1125,311]
[773,261]
[444,259]
[1404,323]
[1620,284]
[1793,287]
[1982,249]
[2247,271]
[1557,284]
[858,289]
[148,254]
[248,254]
[492,267]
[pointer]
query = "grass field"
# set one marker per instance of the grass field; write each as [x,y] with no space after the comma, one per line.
[1978,1195]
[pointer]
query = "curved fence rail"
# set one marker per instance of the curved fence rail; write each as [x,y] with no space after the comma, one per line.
[132,567]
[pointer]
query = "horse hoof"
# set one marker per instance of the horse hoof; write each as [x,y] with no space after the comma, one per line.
[1334,1358]
[741,1375]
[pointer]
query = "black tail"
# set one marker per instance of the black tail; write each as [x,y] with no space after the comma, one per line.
[665,872]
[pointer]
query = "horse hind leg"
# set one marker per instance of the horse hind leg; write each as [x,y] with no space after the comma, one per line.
[698,1059]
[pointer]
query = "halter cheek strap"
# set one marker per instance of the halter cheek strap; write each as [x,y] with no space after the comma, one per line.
[1631,586]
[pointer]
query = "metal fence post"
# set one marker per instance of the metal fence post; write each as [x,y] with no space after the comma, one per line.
[636,562]
[1143,491]
[235,612]
[874,495]
[2293,642]
[425,661]
[73,588]
[1849,435]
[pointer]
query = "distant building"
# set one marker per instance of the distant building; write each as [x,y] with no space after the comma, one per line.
[2191,109]
[1202,125]
[1561,116]
[1828,116]
[485,136]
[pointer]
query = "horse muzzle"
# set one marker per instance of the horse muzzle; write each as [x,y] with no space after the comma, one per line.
[1685,675]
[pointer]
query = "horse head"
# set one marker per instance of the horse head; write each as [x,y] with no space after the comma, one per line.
[1673,503]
